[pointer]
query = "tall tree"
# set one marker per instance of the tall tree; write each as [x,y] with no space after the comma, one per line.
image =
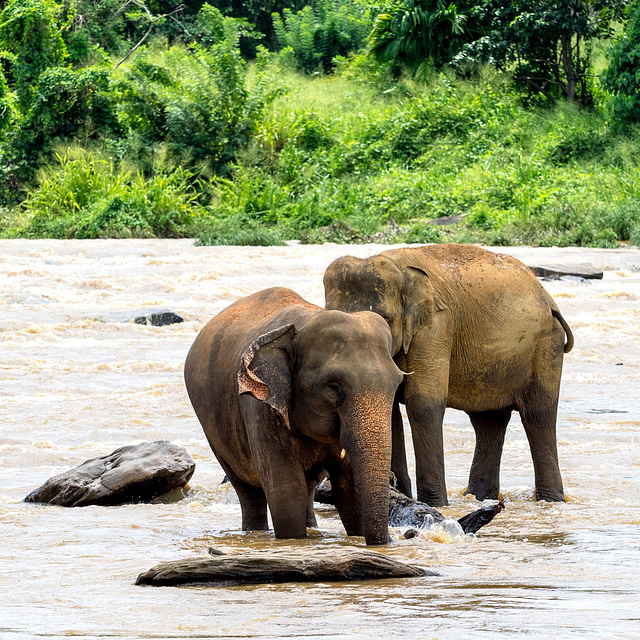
[547,43]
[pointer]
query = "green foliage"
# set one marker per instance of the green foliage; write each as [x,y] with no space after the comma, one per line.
[53,100]
[197,102]
[31,30]
[466,152]
[7,104]
[316,35]
[422,233]
[187,139]
[65,104]
[419,33]
[238,232]
[87,196]
[622,77]
[548,43]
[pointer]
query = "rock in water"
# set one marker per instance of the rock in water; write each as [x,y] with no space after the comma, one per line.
[586,271]
[158,318]
[477,519]
[136,473]
[407,512]
[307,564]
[153,317]
[404,511]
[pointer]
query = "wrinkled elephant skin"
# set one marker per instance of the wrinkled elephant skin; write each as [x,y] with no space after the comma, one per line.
[286,392]
[476,331]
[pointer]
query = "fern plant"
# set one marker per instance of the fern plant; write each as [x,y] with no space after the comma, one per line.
[316,35]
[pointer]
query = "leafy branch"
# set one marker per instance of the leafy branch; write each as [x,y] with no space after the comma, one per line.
[152,21]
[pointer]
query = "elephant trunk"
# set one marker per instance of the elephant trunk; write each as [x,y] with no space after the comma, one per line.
[373,485]
[368,444]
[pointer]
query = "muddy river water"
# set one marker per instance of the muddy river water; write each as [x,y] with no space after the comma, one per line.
[73,386]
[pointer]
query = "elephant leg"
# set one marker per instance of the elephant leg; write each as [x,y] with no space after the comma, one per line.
[311,514]
[484,477]
[398,452]
[288,497]
[538,412]
[253,502]
[426,431]
[539,419]
[281,477]
[425,396]
[346,499]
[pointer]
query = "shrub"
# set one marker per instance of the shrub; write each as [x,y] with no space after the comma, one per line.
[197,102]
[65,104]
[87,196]
[32,31]
[315,35]
[238,231]
[422,233]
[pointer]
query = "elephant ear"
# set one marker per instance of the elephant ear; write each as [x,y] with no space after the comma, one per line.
[265,370]
[420,304]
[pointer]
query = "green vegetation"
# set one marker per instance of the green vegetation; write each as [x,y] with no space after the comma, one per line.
[201,131]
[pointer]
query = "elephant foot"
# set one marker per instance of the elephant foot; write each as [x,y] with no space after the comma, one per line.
[550,496]
[482,492]
[433,499]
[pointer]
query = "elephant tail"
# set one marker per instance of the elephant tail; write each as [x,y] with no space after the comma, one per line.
[569,343]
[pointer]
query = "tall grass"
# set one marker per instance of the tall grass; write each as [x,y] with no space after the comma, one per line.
[86,195]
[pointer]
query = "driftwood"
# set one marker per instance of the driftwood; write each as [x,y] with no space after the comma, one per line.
[136,473]
[406,512]
[317,564]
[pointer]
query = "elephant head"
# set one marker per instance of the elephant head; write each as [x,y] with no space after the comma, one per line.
[404,297]
[334,380]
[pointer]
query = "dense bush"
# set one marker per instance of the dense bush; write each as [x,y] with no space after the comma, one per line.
[420,33]
[87,196]
[315,35]
[197,102]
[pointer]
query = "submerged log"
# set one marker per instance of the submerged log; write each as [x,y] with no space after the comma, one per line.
[406,512]
[317,564]
[136,473]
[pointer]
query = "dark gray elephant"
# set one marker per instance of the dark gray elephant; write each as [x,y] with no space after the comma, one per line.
[285,392]
[477,332]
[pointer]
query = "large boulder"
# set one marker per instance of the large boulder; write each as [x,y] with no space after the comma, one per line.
[306,564]
[135,473]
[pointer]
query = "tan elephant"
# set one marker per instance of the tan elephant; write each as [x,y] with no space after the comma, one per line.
[477,332]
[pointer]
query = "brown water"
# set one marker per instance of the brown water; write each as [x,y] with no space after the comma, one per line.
[74,387]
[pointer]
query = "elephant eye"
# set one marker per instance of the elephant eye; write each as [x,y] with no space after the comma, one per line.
[338,395]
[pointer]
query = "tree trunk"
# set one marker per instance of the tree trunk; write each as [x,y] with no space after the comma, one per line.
[569,68]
